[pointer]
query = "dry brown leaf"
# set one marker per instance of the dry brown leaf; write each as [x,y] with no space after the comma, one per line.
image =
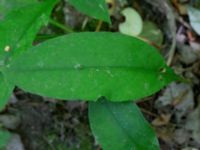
[163,119]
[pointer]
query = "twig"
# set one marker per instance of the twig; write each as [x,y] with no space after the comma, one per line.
[170,16]
[98,27]
[85,21]
[171,53]
[61,26]
[150,42]
[148,112]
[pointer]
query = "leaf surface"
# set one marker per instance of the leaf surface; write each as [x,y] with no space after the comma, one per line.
[152,33]
[88,65]
[121,126]
[7,6]
[93,8]
[4,138]
[19,24]
[5,93]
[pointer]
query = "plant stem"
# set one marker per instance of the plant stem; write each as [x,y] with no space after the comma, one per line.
[65,28]
[99,26]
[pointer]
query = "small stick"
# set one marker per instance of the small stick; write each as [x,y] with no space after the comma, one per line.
[98,27]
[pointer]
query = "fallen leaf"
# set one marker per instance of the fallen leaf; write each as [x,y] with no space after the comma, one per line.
[133,22]
[163,119]
[178,95]
[152,33]
[194,16]
[15,143]
[9,121]
[193,124]
[189,148]
[186,54]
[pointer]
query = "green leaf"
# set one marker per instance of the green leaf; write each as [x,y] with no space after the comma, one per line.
[4,138]
[19,25]
[6,91]
[7,6]
[152,33]
[194,16]
[94,8]
[121,126]
[90,65]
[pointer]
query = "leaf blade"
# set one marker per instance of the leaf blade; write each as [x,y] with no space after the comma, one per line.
[7,7]
[5,93]
[88,66]
[5,137]
[93,8]
[121,126]
[19,25]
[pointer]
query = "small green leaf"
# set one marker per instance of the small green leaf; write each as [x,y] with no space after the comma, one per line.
[90,65]
[121,126]
[4,138]
[6,91]
[94,8]
[152,33]
[194,16]
[19,25]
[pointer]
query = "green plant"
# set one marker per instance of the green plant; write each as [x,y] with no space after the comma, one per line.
[110,70]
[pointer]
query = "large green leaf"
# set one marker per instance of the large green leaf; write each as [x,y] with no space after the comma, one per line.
[93,8]
[5,92]
[121,126]
[7,6]
[89,65]
[20,23]
[4,138]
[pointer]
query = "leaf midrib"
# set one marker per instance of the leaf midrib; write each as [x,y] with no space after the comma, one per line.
[130,138]
[100,68]
[120,124]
